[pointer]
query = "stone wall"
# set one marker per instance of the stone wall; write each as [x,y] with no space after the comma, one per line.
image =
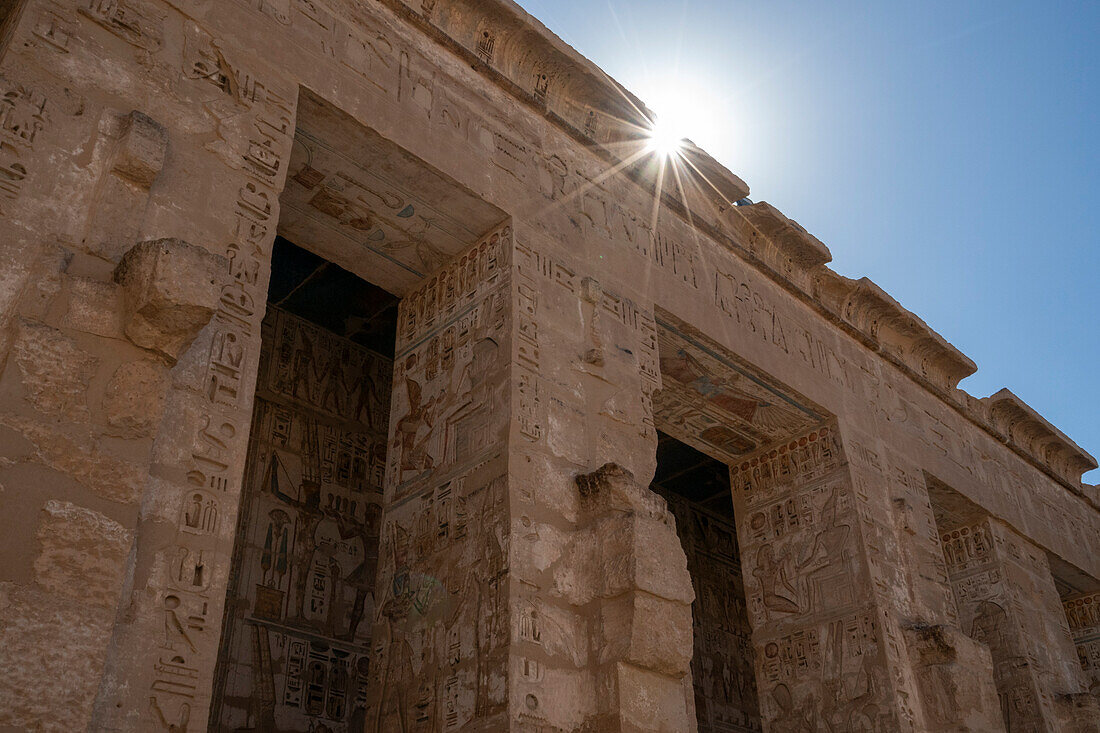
[144,148]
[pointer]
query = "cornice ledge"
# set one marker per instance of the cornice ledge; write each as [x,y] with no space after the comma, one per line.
[895,331]
[503,39]
[788,237]
[1016,423]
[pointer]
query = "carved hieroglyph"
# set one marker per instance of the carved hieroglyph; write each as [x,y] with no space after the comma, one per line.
[722,666]
[297,647]
[394,138]
[440,627]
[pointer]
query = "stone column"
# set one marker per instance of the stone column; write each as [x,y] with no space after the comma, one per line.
[1008,601]
[829,647]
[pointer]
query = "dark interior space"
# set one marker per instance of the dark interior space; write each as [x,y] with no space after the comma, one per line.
[339,301]
[692,474]
[296,644]
[697,489]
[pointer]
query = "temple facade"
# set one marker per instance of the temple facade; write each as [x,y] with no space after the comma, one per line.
[361,369]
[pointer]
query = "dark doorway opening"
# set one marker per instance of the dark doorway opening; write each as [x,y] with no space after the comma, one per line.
[297,635]
[697,489]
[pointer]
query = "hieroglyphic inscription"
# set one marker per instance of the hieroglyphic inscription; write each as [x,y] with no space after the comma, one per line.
[988,569]
[450,333]
[23,116]
[797,461]
[307,548]
[1083,615]
[535,270]
[214,465]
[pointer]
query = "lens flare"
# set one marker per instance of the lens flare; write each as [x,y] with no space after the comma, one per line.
[665,138]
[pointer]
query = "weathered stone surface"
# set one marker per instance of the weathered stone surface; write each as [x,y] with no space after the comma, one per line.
[141,149]
[54,371]
[82,554]
[396,511]
[171,291]
[81,458]
[95,307]
[134,399]
[66,639]
[954,673]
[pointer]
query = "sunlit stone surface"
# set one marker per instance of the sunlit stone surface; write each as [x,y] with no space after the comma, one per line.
[365,366]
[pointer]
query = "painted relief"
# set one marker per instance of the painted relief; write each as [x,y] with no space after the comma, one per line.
[988,570]
[717,405]
[722,662]
[440,623]
[297,649]
[1083,616]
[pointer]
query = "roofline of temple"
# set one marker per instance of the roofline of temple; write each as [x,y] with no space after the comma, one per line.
[514,50]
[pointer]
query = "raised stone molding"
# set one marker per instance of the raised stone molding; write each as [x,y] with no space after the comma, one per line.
[787,235]
[895,331]
[1015,422]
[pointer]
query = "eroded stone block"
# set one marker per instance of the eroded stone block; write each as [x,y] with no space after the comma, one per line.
[955,676]
[134,398]
[171,292]
[82,554]
[55,647]
[141,149]
[55,372]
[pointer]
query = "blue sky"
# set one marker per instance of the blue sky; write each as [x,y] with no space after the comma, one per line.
[950,151]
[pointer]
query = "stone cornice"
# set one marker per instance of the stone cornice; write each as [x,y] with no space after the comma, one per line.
[514,50]
[1017,423]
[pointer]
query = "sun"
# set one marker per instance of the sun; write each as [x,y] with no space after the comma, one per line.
[665,137]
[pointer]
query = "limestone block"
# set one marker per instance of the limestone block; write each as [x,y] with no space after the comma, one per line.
[45,281]
[649,632]
[94,307]
[82,459]
[134,399]
[171,292]
[140,154]
[646,701]
[82,554]
[955,677]
[52,651]
[55,373]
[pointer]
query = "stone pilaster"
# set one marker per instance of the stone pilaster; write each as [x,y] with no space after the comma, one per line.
[829,647]
[1007,600]
[160,664]
[441,627]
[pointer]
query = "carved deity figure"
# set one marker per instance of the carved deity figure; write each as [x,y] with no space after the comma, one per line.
[413,454]
[829,544]
[776,590]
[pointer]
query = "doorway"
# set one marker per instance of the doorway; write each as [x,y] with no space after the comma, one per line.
[297,636]
[697,490]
